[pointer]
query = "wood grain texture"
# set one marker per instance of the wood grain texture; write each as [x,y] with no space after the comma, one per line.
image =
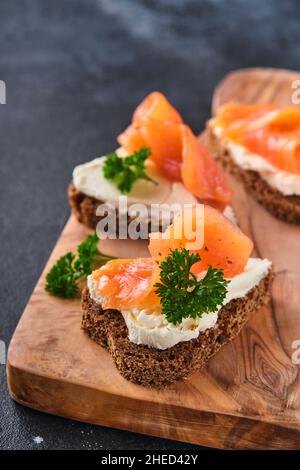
[249,394]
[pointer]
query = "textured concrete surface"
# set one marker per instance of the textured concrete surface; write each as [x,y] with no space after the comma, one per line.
[74,71]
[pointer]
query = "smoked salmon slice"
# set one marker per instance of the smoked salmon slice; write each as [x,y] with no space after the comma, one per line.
[165,140]
[266,130]
[222,246]
[200,173]
[156,124]
[236,115]
[156,106]
[126,283]
[176,151]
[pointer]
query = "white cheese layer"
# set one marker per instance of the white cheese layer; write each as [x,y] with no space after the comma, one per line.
[285,182]
[150,327]
[88,178]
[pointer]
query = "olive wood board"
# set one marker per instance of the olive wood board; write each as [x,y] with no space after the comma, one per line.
[248,396]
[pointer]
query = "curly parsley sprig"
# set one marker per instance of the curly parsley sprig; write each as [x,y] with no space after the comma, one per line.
[182,294]
[125,171]
[68,274]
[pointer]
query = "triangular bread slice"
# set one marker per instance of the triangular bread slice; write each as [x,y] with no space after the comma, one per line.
[158,368]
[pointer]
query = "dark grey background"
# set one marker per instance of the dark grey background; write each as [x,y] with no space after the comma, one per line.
[74,72]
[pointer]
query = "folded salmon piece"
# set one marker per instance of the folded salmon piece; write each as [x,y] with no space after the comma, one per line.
[156,124]
[126,283]
[201,174]
[222,244]
[176,151]
[264,129]
[156,106]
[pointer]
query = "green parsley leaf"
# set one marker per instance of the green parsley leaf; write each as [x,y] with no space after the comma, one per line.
[125,171]
[182,294]
[68,274]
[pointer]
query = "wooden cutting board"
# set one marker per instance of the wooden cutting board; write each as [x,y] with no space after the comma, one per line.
[249,394]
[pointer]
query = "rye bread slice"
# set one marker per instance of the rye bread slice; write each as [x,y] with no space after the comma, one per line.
[286,208]
[83,207]
[158,368]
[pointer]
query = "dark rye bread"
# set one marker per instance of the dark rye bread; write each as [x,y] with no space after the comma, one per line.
[158,368]
[84,208]
[286,208]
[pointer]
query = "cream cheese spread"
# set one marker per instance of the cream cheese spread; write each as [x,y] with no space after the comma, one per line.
[285,182]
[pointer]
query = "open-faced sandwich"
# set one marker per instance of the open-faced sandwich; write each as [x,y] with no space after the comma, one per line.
[260,144]
[163,317]
[160,161]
